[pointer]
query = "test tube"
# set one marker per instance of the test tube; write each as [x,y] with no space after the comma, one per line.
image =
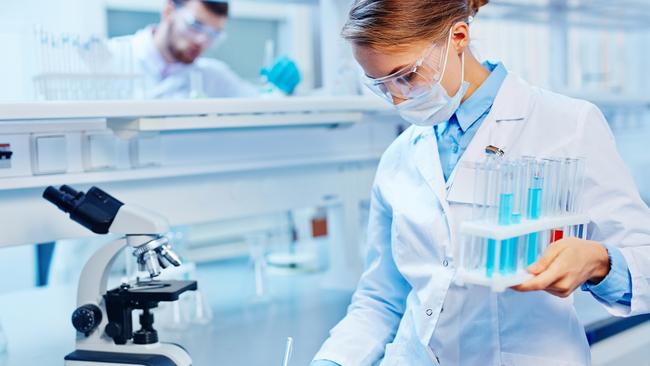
[506,193]
[551,187]
[536,174]
[258,242]
[576,183]
[491,200]
[478,254]
[492,212]
[479,206]
[520,171]
[553,192]
[567,177]
[506,204]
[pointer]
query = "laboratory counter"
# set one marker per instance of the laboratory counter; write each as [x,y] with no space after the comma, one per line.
[243,330]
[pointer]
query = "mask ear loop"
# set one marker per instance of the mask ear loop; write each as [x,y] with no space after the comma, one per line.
[444,67]
[462,68]
[462,60]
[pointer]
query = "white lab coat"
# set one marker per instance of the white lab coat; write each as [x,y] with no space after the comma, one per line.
[204,78]
[407,307]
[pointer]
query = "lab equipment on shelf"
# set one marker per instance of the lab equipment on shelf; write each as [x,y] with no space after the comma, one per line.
[258,245]
[520,207]
[71,67]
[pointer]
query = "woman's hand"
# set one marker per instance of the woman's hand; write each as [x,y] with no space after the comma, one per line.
[566,265]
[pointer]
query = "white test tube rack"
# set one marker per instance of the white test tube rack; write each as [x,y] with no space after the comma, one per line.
[477,233]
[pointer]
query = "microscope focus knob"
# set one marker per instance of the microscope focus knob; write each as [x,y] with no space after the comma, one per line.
[86,318]
[113,330]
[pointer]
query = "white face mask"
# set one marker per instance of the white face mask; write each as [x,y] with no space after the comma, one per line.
[435,106]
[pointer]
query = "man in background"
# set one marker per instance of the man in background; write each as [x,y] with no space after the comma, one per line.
[168,55]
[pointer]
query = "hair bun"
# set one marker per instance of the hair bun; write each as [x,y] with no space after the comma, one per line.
[475,5]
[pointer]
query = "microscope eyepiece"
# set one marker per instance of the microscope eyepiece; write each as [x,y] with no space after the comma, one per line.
[69,190]
[61,199]
[95,209]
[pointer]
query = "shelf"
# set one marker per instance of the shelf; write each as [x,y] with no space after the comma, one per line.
[213,122]
[160,172]
[44,126]
[500,232]
[630,14]
[187,108]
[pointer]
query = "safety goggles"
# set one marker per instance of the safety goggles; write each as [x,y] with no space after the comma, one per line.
[194,28]
[413,80]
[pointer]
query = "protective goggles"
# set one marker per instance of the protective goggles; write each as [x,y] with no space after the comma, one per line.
[194,28]
[413,80]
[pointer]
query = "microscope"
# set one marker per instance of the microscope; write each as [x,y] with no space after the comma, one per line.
[103,318]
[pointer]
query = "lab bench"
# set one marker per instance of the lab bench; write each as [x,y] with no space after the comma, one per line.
[242,332]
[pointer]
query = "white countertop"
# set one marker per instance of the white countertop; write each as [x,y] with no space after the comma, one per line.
[198,107]
[301,308]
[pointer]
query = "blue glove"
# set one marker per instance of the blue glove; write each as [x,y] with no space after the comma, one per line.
[284,74]
[323,363]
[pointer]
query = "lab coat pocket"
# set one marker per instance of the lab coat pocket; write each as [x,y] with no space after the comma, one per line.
[515,359]
[461,189]
[402,353]
[391,355]
[406,349]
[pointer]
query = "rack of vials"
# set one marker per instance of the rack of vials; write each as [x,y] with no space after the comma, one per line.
[520,208]
[71,67]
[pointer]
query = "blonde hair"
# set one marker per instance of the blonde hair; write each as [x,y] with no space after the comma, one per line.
[382,24]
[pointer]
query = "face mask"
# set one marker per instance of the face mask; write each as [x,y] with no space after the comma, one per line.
[435,106]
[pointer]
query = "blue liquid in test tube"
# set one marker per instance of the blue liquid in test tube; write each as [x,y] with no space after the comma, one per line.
[506,201]
[511,248]
[534,213]
[505,208]
[491,253]
[534,203]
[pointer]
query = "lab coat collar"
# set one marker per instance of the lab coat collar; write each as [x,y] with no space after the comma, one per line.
[503,109]
[481,101]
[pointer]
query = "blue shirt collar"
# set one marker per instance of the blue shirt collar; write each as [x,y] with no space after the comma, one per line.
[481,101]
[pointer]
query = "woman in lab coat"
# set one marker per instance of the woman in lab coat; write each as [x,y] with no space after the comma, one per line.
[407,310]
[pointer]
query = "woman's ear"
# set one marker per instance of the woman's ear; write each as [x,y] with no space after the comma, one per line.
[460,37]
[168,10]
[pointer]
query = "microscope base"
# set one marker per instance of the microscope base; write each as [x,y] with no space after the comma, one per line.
[160,354]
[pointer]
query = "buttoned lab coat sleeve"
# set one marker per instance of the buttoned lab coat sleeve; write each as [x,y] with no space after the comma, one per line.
[378,303]
[618,214]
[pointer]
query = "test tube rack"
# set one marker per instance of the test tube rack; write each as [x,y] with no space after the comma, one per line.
[520,207]
[72,67]
[503,273]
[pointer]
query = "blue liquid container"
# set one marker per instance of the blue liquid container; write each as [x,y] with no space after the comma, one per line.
[534,203]
[531,252]
[534,213]
[506,201]
[512,248]
[491,253]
